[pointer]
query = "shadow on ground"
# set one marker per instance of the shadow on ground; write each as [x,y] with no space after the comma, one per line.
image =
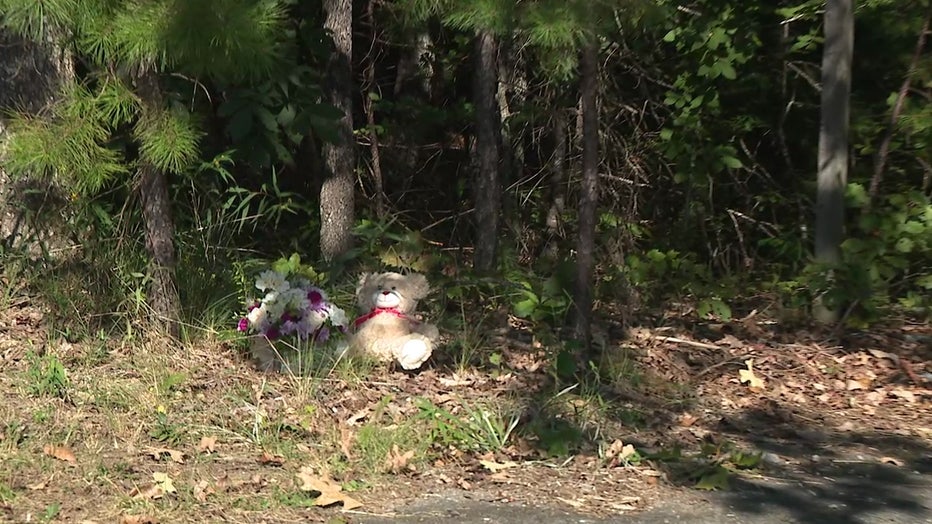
[815,474]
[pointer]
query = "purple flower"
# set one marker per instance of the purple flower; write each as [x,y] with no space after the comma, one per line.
[287,317]
[288,327]
[316,296]
[243,324]
[323,334]
[272,333]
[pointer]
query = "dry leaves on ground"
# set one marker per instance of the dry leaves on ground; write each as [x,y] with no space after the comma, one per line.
[175,455]
[495,467]
[60,453]
[747,376]
[330,491]
[267,459]
[398,462]
[161,485]
[207,445]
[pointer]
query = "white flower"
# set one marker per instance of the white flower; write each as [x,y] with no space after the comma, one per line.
[272,281]
[258,317]
[338,316]
[315,319]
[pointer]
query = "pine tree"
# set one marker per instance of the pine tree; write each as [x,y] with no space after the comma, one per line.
[130,48]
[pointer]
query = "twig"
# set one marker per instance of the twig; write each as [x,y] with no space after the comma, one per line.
[683,341]
[884,150]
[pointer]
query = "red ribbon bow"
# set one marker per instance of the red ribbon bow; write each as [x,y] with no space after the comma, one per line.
[378,311]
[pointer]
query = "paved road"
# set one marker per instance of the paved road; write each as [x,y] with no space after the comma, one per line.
[846,493]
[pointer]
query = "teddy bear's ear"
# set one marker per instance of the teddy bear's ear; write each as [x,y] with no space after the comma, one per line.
[364,281]
[419,285]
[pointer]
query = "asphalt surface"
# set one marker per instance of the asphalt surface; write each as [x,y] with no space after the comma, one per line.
[849,492]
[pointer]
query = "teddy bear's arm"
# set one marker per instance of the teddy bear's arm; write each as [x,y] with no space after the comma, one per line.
[428,330]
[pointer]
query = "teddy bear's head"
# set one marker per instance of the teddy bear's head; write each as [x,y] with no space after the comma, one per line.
[391,291]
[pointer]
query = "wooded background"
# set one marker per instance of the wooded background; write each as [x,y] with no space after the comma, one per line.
[550,156]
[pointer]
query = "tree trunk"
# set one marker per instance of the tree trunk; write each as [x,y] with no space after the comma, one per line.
[164,301]
[487,191]
[337,209]
[378,184]
[588,195]
[31,78]
[557,204]
[833,141]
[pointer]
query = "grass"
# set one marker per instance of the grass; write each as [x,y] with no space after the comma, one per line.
[130,406]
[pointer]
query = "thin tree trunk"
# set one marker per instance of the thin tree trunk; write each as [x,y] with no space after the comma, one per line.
[557,184]
[164,302]
[880,161]
[833,141]
[588,195]
[488,191]
[337,206]
[378,184]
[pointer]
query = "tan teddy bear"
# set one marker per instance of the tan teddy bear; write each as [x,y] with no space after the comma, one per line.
[387,329]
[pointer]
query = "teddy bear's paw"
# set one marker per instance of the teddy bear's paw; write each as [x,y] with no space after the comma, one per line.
[413,353]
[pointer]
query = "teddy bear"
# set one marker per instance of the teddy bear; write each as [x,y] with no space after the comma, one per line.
[387,329]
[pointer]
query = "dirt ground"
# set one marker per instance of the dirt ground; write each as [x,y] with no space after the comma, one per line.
[134,430]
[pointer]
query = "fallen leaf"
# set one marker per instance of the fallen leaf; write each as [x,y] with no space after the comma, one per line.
[884,355]
[207,445]
[455,381]
[620,451]
[904,394]
[359,415]
[890,460]
[164,482]
[37,486]
[687,420]
[330,492]
[175,455]
[60,453]
[397,461]
[267,459]
[201,490]
[852,385]
[149,493]
[748,376]
[495,467]
[714,480]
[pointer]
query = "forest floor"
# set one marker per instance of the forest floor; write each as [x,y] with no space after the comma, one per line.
[135,431]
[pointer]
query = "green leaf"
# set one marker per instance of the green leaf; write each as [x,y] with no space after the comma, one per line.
[727,70]
[732,162]
[713,480]
[856,195]
[566,364]
[746,460]
[526,307]
[905,245]
[914,227]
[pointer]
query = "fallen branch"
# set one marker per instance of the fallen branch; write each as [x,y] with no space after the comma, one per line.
[686,342]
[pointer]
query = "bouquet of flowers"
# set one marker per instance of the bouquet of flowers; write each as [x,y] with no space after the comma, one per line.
[292,308]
